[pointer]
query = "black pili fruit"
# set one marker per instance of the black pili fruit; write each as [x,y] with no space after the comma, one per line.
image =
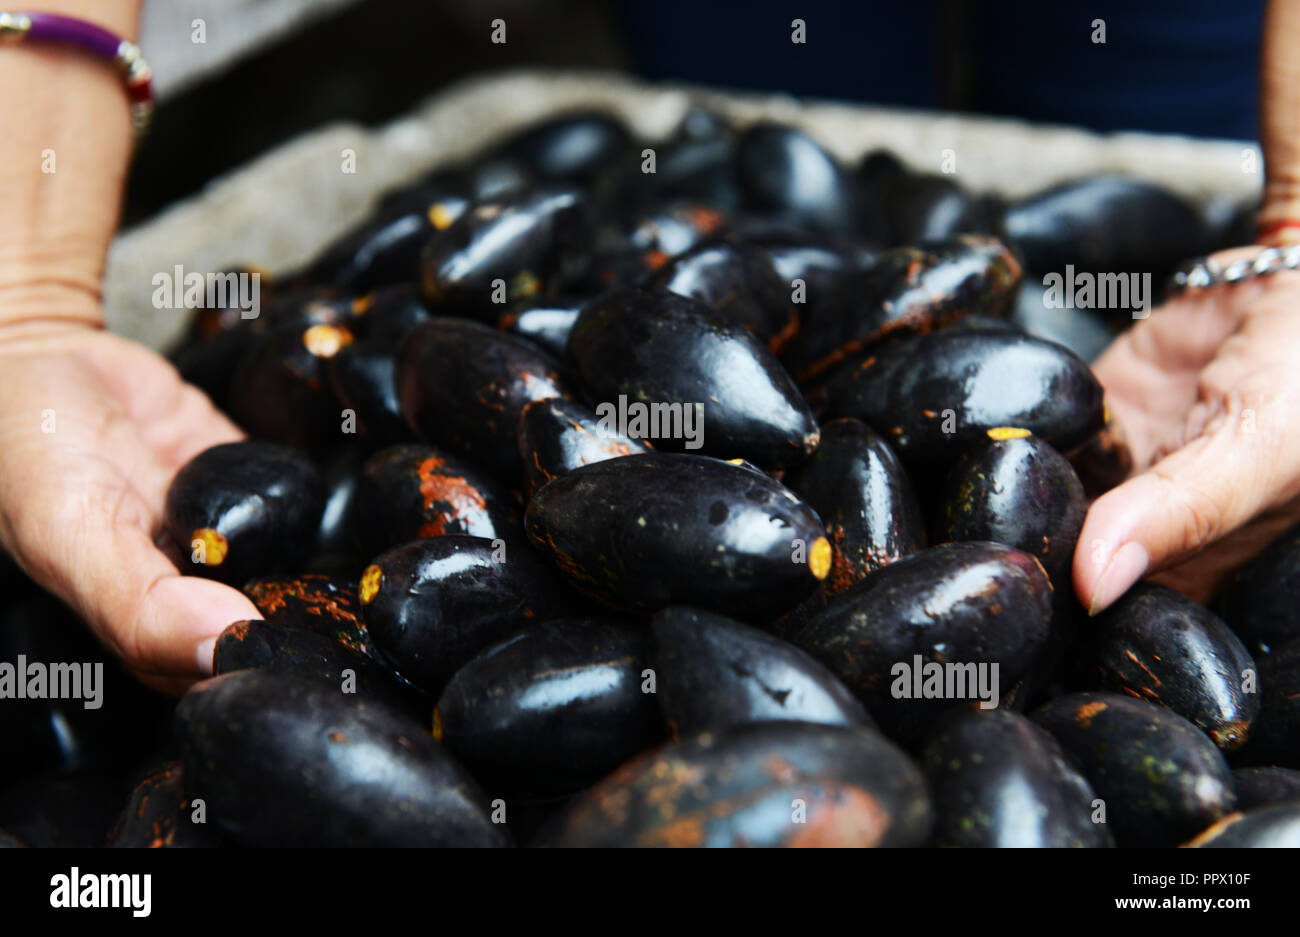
[281,760]
[463,385]
[908,289]
[552,709]
[158,815]
[321,604]
[1104,223]
[514,250]
[857,485]
[998,780]
[697,168]
[1161,778]
[738,283]
[361,376]
[713,673]
[793,784]
[547,323]
[1015,489]
[432,604]
[1259,603]
[646,531]
[263,645]
[660,350]
[785,172]
[414,491]
[1260,787]
[628,255]
[934,395]
[571,147]
[1275,735]
[942,628]
[385,248]
[1103,460]
[244,509]
[1084,331]
[1159,645]
[928,207]
[557,436]
[1273,827]
[337,537]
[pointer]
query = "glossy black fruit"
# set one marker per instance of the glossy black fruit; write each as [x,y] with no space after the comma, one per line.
[908,289]
[925,207]
[932,396]
[432,604]
[244,509]
[660,350]
[547,322]
[1261,787]
[552,709]
[1275,827]
[409,492]
[511,251]
[1105,223]
[949,626]
[557,436]
[857,485]
[1159,645]
[1161,778]
[1259,603]
[998,780]
[321,604]
[785,172]
[573,147]
[763,785]
[281,760]
[463,385]
[646,531]
[738,282]
[713,673]
[1015,489]
[158,815]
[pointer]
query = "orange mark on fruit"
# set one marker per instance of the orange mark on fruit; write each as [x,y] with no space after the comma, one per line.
[211,545]
[325,341]
[460,496]
[440,216]
[371,580]
[1087,712]
[999,433]
[361,305]
[819,557]
[437,725]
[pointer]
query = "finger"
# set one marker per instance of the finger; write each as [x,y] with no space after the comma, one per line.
[160,622]
[1185,502]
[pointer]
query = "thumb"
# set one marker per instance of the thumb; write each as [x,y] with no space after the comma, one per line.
[1183,503]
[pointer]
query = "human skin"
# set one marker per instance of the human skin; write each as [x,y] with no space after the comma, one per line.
[1206,389]
[92,426]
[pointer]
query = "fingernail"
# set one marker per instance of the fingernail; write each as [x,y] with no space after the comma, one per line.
[204,655]
[1125,568]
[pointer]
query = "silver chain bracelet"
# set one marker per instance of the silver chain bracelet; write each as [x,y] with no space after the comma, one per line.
[1204,272]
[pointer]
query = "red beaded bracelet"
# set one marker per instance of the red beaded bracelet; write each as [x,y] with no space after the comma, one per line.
[99,42]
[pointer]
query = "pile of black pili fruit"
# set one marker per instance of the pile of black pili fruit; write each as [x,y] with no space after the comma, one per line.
[490,618]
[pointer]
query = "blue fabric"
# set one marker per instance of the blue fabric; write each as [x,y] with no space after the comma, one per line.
[1175,66]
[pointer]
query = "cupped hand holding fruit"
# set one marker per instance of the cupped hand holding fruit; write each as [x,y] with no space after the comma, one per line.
[92,429]
[1207,393]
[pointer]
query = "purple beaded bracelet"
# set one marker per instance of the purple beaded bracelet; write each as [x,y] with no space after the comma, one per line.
[99,42]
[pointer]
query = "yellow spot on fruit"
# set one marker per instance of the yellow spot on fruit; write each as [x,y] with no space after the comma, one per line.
[1008,432]
[437,725]
[440,216]
[214,546]
[371,580]
[361,305]
[819,557]
[324,341]
[735,461]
